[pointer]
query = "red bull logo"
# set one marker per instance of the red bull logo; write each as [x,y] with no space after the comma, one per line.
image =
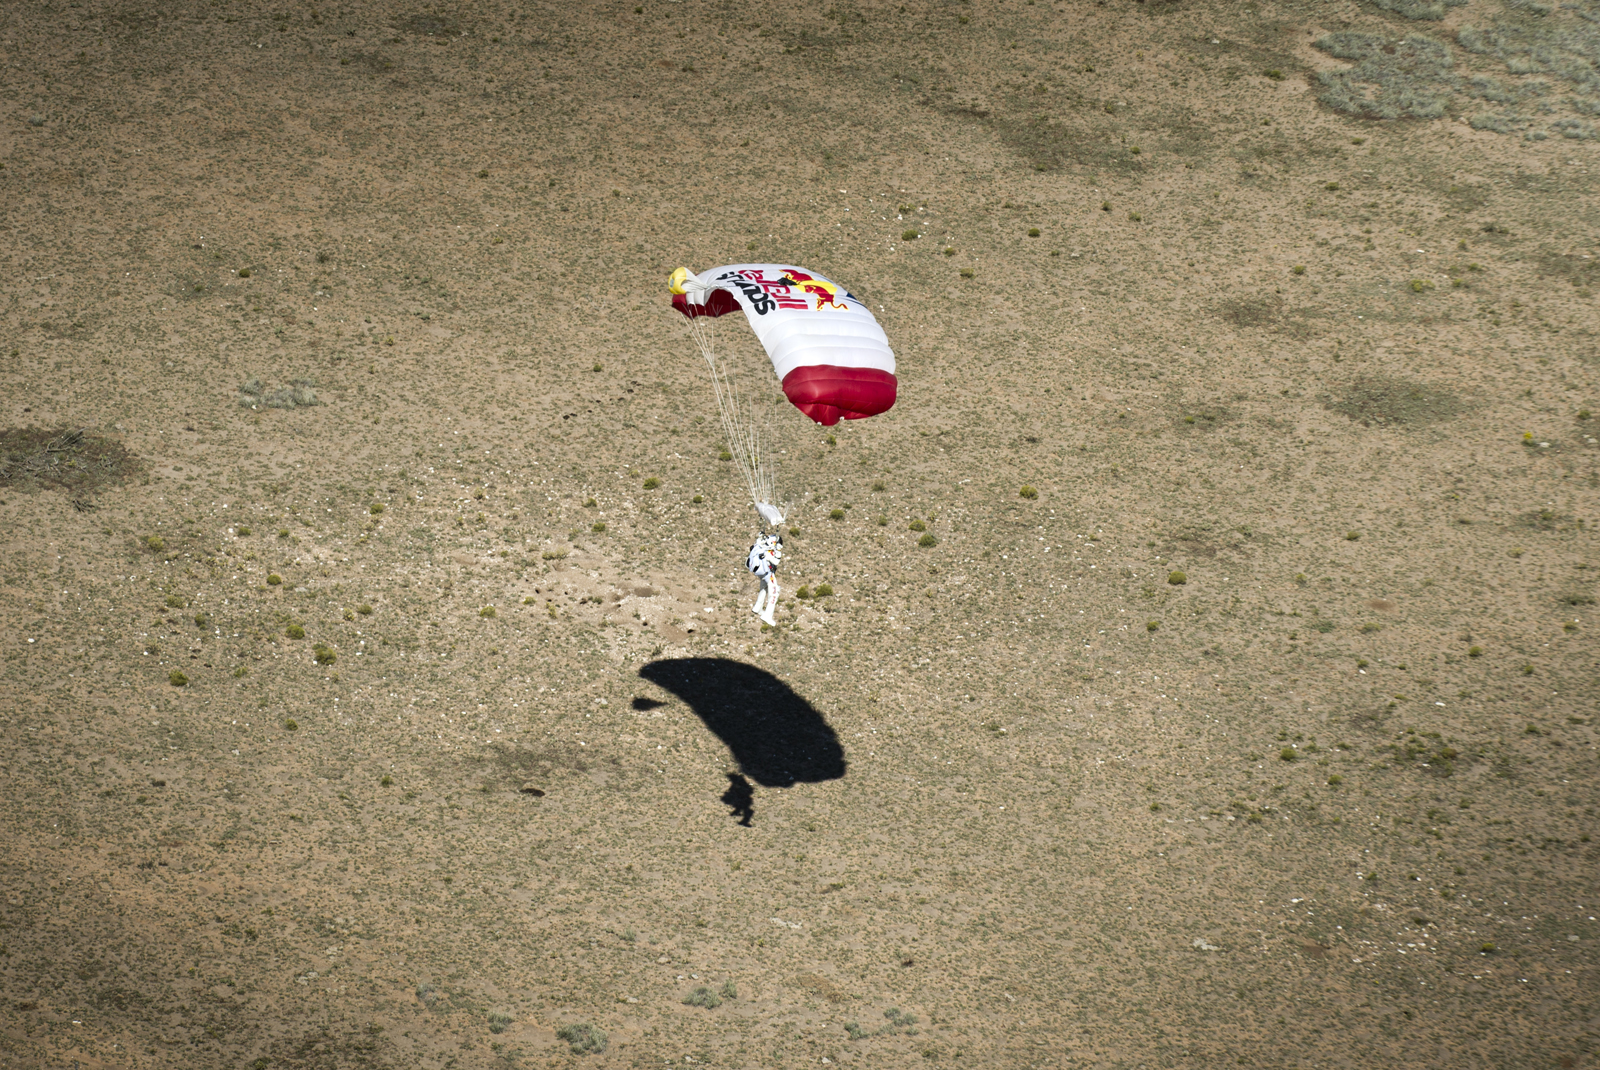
[825,292]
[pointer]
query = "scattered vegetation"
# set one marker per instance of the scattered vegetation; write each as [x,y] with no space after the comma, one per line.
[177,679]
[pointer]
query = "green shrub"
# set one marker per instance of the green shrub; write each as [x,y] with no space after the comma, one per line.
[823,590]
[376,508]
[498,1022]
[295,631]
[1028,493]
[917,525]
[837,514]
[1475,652]
[487,612]
[652,483]
[176,678]
[1176,578]
[387,781]
[1288,754]
[291,725]
[325,654]
[1033,232]
[908,235]
[803,592]
[598,527]
[583,1037]
[202,620]
[155,543]
[703,997]
[928,540]
[364,609]
[1299,269]
[1151,625]
[273,579]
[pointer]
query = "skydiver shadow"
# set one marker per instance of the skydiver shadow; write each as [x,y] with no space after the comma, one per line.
[740,798]
[777,738]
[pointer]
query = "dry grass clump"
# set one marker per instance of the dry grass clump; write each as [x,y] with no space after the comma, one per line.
[298,394]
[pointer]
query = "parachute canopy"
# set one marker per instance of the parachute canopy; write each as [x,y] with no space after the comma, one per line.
[826,347]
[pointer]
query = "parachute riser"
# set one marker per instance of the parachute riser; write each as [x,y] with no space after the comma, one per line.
[741,424]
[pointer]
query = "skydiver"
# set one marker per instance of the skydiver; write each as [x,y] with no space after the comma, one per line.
[765,557]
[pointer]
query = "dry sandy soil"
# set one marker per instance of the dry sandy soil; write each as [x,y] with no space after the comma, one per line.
[1010,800]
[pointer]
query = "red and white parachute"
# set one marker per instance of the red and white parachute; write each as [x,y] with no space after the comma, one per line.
[826,348]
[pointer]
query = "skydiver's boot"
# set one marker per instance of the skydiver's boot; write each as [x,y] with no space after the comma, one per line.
[772,604]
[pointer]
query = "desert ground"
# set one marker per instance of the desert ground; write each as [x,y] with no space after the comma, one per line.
[380,686]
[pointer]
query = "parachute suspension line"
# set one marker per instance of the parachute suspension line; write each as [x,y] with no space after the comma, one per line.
[742,423]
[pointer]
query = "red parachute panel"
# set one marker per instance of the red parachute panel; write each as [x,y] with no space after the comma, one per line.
[718,303]
[828,393]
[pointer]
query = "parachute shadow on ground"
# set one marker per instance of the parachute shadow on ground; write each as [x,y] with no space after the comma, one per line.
[778,738]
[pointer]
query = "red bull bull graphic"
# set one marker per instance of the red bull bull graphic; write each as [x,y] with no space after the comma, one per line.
[823,290]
